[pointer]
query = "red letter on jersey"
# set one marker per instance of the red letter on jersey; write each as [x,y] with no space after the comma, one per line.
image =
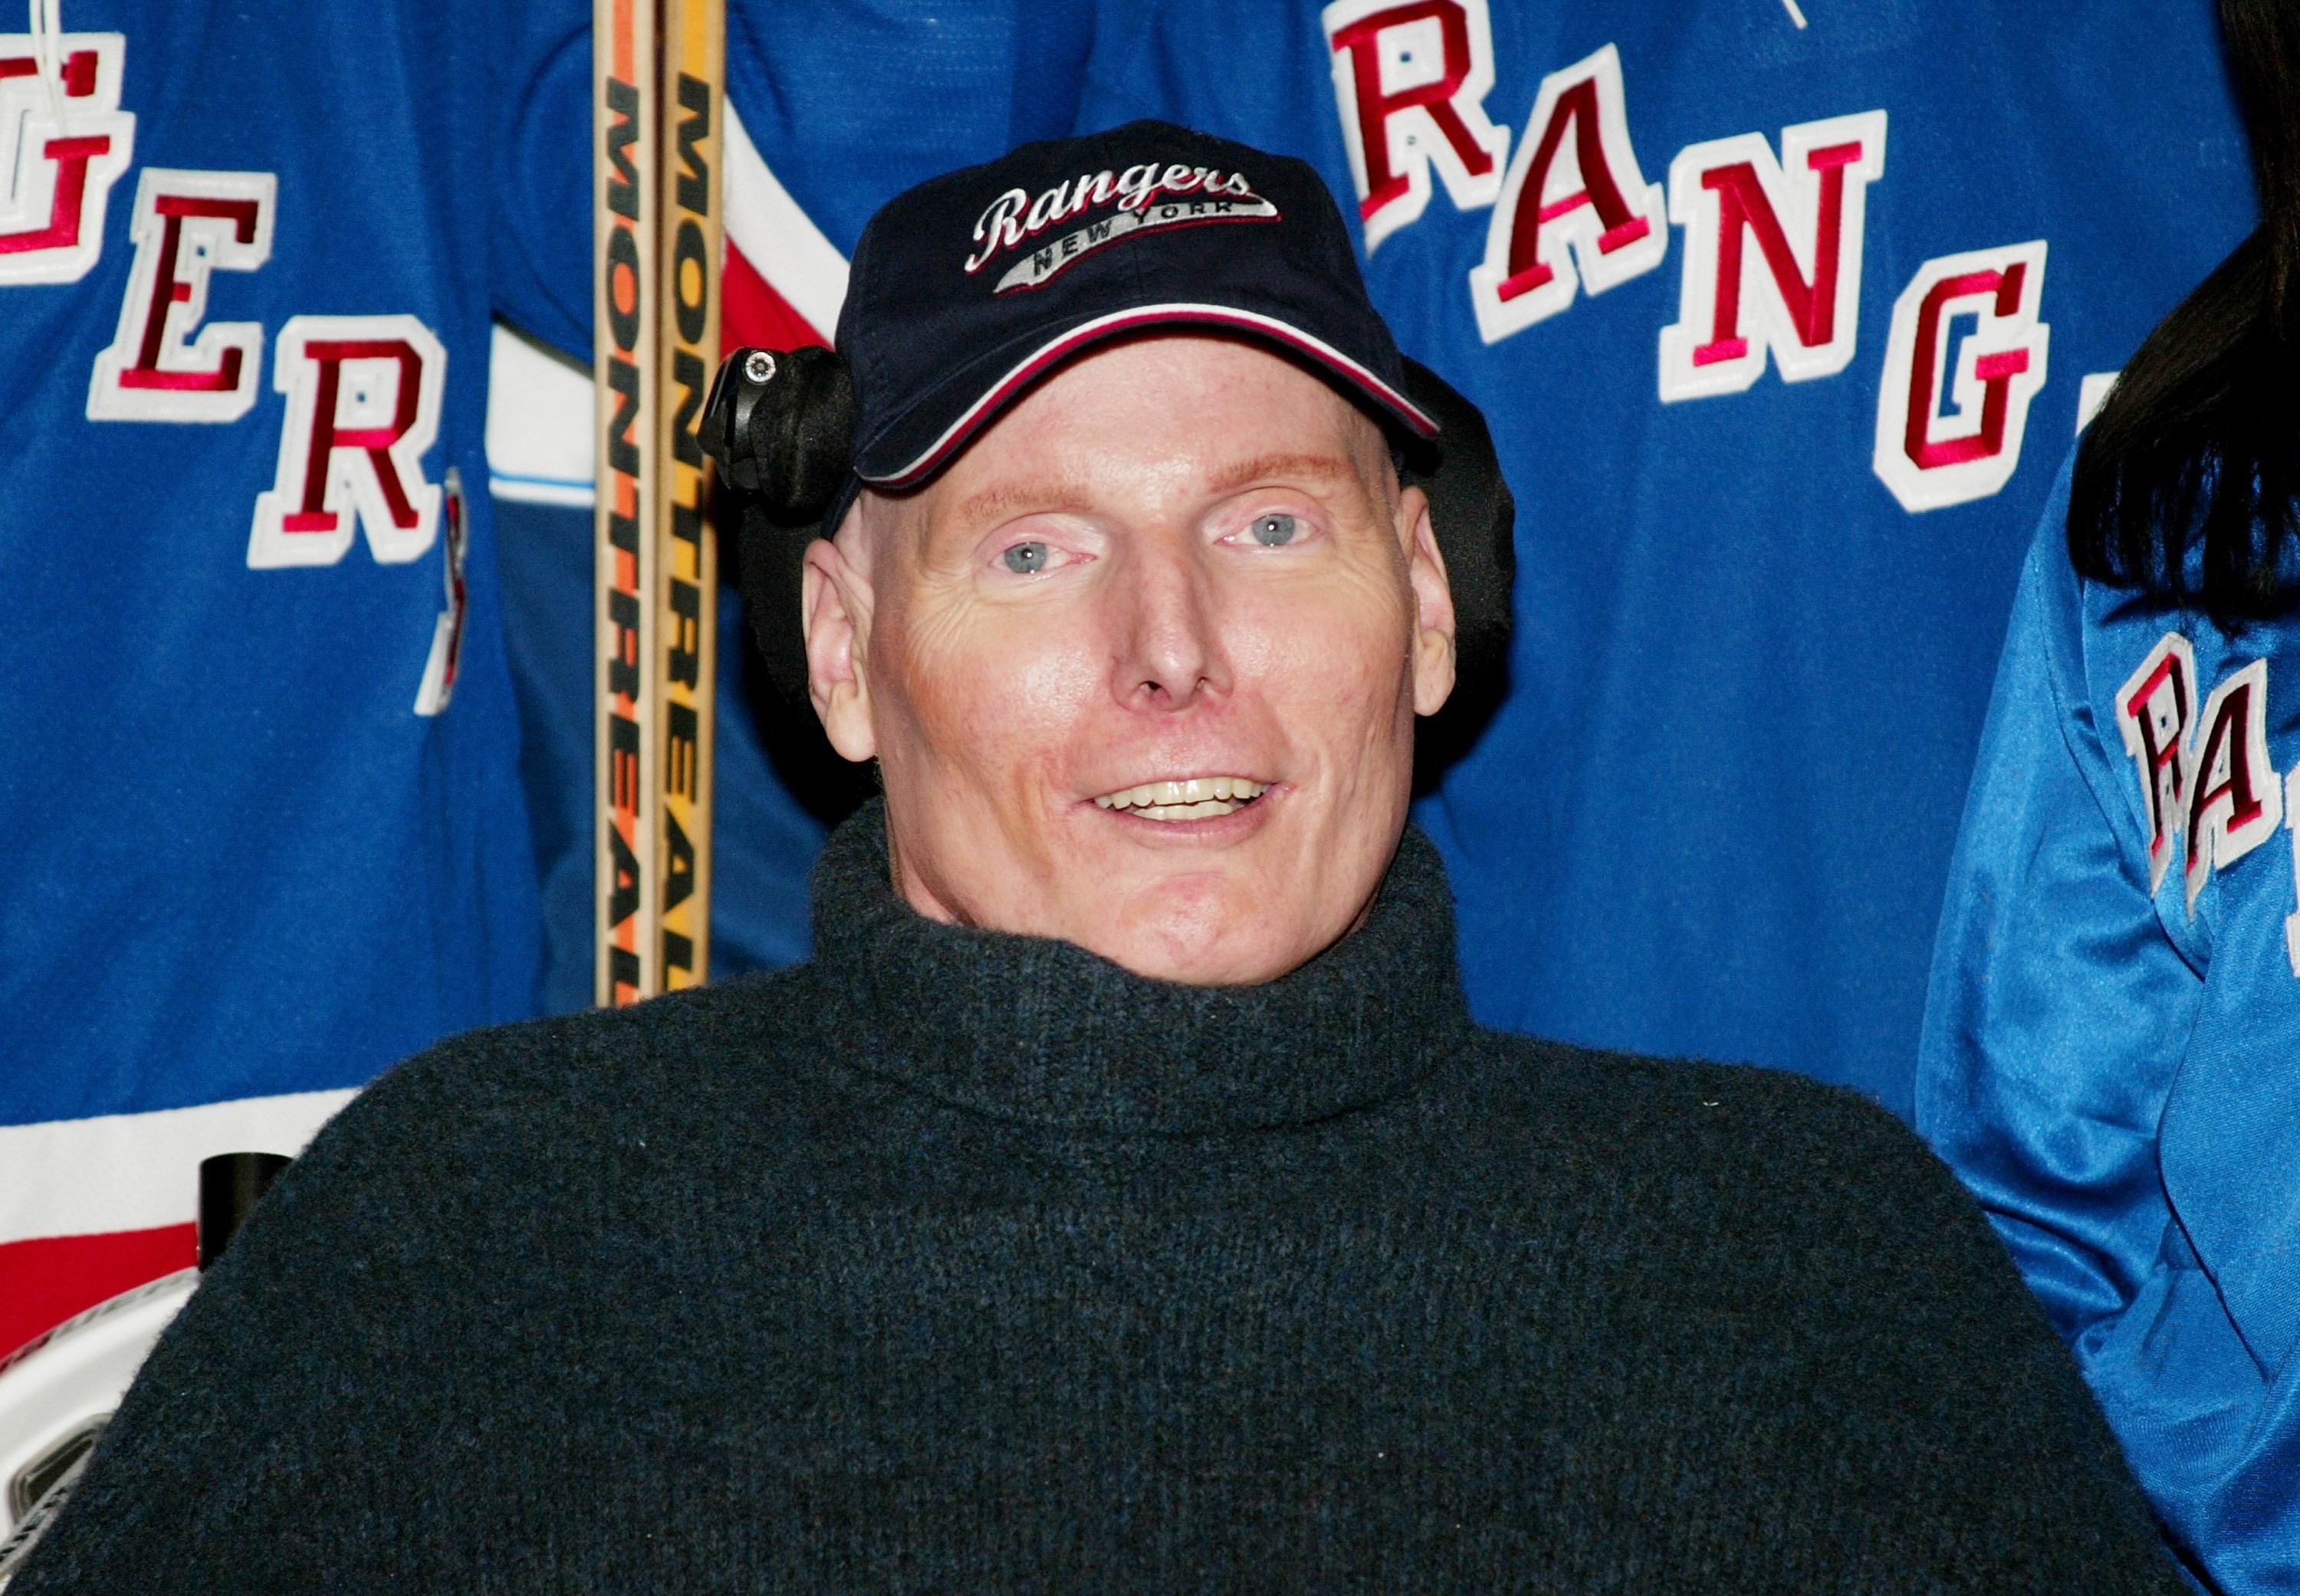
[445,662]
[1950,414]
[2234,798]
[1734,303]
[56,174]
[1575,183]
[188,225]
[1411,77]
[2152,710]
[362,407]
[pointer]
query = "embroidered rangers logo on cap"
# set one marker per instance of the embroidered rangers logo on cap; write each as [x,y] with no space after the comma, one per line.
[1146,196]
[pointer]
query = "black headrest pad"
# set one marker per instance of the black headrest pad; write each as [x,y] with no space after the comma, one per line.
[1474,516]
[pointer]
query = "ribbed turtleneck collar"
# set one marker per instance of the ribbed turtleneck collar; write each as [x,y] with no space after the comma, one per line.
[1029,1029]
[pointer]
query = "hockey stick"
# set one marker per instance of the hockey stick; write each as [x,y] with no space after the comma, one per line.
[658,85]
[625,201]
[694,110]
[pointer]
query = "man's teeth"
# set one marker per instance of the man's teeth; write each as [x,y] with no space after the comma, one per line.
[1200,798]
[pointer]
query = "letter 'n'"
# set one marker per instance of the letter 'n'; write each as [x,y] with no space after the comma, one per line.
[1797,292]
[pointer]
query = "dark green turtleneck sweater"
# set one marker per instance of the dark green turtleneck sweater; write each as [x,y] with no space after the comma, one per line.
[962,1261]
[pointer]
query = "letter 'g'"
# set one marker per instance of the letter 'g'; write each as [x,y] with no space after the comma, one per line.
[56,176]
[1965,356]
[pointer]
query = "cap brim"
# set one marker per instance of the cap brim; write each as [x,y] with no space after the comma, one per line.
[1011,383]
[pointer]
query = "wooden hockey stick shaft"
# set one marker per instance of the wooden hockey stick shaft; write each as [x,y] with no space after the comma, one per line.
[659,111]
[694,112]
[627,203]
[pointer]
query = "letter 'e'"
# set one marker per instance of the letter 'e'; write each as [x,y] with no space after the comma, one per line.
[187,226]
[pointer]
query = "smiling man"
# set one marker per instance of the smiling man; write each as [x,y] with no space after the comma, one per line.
[1157,700]
[1122,1198]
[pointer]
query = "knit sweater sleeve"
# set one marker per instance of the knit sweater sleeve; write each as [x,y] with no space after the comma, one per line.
[1934,1370]
[254,1449]
[451,1349]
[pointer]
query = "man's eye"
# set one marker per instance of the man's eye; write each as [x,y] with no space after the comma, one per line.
[1274,531]
[1024,559]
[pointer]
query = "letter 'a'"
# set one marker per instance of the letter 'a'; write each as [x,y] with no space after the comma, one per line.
[1574,197]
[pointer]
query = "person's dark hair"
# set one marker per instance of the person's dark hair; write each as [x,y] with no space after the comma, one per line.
[2199,441]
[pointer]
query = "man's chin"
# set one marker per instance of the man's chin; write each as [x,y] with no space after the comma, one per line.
[1201,932]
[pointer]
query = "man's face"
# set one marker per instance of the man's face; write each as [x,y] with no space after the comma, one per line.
[1141,667]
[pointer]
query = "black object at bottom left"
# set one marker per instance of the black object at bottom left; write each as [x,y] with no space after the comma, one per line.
[59,1390]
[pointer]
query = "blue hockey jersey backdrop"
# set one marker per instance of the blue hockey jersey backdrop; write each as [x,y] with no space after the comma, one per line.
[1759,592]
[266,831]
[1758,609]
[1782,315]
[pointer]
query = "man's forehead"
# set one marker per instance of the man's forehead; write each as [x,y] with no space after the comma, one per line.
[1217,413]
[1029,489]
[1072,445]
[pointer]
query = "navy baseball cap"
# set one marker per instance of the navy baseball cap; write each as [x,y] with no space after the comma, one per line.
[970,288]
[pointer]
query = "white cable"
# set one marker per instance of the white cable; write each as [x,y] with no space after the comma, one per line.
[47,43]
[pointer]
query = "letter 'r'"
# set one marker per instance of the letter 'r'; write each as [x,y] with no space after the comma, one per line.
[1410,79]
[362,407]
[2156,711]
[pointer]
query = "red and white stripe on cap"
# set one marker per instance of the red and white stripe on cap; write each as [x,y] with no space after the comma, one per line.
[1270,329]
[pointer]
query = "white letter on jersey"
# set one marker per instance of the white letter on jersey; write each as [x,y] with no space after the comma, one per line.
[1966,355]
[2234,798]
[1585,192]
[2291,813]
[445,660]
[1411,77]
[2154,710]
[1798,293]
[363,406]
[188,225]
[55,176]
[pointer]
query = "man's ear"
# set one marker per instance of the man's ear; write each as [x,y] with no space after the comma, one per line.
[1433,606]
[835,609]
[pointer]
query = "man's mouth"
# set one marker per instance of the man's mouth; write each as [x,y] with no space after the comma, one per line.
[1200,798]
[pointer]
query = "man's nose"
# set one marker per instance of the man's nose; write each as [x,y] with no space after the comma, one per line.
[1170,650]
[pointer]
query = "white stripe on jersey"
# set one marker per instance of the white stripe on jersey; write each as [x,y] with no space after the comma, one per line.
[139,1171]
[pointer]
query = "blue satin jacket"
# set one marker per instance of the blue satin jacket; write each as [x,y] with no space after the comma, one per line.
[2111,1055]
